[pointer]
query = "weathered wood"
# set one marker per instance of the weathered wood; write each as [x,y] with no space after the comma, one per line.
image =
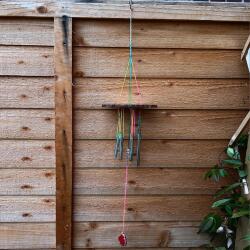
[156,63]
[162,124]
[144,181]
[101,124]
[154,153]
[91,93]
[27,235]
[26,61]
[142,208]
[152,234]
[160,34]
[26,92]
[142,10]
[29,124]
[27,182]
[27,209]
[26,31]
[27,154]
[165,248]
[160,63]
[63,122]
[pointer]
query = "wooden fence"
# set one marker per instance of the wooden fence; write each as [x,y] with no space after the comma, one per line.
[190,69]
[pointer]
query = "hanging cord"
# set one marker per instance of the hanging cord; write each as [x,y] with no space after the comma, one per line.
[130,66]
[130,53]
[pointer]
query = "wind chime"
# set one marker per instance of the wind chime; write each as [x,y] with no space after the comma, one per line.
[134,109]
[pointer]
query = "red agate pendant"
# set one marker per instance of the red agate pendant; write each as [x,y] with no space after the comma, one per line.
[122,239]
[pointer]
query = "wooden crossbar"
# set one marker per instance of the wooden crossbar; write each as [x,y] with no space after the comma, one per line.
[141,10]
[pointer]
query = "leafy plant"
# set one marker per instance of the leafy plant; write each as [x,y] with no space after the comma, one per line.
[230,203]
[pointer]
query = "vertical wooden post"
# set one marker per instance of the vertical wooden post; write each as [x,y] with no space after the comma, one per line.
[63,121]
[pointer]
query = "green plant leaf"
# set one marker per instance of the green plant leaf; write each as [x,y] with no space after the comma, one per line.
[242,173]
[237,163]
[241,213]
[221,202]
[206,224]
[246,248]
[246,237]
[215,173]
[229,210]
[227,189]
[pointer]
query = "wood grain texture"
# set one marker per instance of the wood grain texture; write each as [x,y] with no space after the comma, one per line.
[142,10]
[144,181]
[26,92]
[27,124]
[27,182]
[100,124]
[26,31]
[160,34]
[27,154]
[27,209]
[156,63]
[63,133]
[139,248]
[143,234]
[160,63]
[91,93]
[154,153]
[26,61]
[152,10]
[162,124]
[102,235]
[27,235]
[142,208]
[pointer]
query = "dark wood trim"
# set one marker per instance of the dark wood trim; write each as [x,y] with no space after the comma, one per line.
[63,121]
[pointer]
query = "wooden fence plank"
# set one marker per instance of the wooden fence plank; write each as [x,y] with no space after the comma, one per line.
[142,208]
[26,61]
[155,63]
[101,124]
[151,234]
[27,235]
[63,121]
[171,124]
[28,124]
[165,248]
[91,93]
[27,182]
[27,154]
[142,10]
[154,153]
[160,34]
[26,92]
[160,63]
[144,181]
[26,31]
[27,209]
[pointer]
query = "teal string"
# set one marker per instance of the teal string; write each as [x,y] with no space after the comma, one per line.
[130,59]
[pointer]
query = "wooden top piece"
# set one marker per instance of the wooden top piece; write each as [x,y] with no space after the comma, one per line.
[129,106]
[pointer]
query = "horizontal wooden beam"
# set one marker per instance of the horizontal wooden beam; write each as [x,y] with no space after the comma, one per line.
[142,10]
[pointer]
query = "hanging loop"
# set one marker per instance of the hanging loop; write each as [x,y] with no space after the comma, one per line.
[130,5]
